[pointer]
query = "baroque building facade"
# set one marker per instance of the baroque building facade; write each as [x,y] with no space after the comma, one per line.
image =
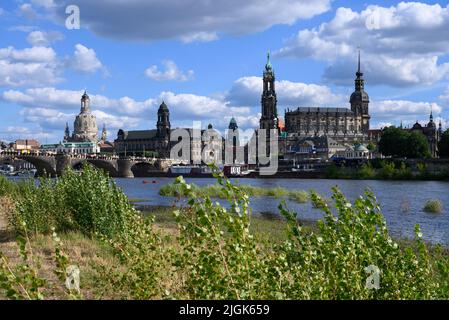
[157,142]
[344,125]
[141,142]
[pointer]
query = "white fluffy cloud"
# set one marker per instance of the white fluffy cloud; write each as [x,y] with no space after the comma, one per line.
[188,20]
[51,98]
[247,91]
[444,98]
[52,119]
[43,3]
[199,37]
[387,111]
[43,38]
[51,108]
[27,11]
[46,118]
[170,72]
[34,66]
[85,60]
[401,44]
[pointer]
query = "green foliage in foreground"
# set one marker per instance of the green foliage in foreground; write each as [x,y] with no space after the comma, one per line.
[214,254]
[89,202]
[433,206]
[216,191]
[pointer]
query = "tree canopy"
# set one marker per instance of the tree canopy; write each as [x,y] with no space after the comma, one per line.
[443,145]
[397,142]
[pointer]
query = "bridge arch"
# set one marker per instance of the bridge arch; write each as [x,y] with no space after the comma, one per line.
[44,167]
[105,165]
[145,169]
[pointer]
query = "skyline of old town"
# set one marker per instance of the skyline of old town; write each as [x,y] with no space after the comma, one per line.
[45,67]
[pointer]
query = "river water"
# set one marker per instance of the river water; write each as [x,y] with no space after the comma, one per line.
[402,202]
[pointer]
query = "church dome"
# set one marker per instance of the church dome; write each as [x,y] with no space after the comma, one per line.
[359,96]
[85,125]
[233,124]
[417,126]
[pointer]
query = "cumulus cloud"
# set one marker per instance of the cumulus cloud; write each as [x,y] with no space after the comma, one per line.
[43,3]
[27,11]
[402,110]
[85,60]
[188,20]
[12,133]
[247,91]
[52,98]
[170,72]
[49,119]
[196,107]
[43,39]
[199,37]
[444,98]
[34,66]
[51,108]
[401,44]
[52,119]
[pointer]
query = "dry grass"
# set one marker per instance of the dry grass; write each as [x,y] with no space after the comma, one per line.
[87,254]
[84,252]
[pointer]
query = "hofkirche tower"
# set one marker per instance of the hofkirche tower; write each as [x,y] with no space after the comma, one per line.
[269,119]
[360,101]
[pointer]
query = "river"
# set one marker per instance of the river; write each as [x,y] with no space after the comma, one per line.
[402,202]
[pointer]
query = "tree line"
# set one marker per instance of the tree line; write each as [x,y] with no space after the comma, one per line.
[397,142]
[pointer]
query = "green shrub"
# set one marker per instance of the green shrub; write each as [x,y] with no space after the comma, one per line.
[216,191]
[90,202]
[215,255]
[387,171]
[433,206]
[366,171]
[331,263]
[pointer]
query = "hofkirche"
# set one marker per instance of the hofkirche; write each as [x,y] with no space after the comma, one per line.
[344,125]
[338,127]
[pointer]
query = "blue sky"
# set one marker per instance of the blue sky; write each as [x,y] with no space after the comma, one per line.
[205,59]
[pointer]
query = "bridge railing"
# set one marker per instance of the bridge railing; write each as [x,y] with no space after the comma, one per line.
[84,156]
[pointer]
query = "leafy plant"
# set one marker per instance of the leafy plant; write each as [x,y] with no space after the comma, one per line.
[433,206]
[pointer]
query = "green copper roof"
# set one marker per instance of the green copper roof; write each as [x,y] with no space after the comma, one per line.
[268,66]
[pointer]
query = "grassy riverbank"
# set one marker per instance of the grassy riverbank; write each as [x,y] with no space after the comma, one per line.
[201,251]
[380,169]
[216,191]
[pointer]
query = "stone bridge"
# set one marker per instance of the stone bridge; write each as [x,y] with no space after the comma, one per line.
[54,165]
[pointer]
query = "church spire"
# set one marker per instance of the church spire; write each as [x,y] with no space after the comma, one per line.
[358,70]
[66,132]
[268,66]
[269,119]
[359,81]
[104,133]
[85,101]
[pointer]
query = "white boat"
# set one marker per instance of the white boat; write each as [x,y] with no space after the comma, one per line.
[181,169]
